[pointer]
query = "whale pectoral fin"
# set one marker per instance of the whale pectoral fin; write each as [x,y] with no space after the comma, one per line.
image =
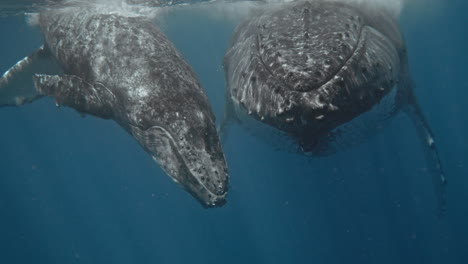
[16,85]
[70,90]
[430,150]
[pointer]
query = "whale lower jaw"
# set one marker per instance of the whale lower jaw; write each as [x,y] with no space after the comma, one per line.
[162,147]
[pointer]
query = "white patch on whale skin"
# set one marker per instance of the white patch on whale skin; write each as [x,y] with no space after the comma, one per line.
[32,19]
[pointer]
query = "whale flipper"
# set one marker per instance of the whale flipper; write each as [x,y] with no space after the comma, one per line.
[70,90]
[431,154]
[16,86]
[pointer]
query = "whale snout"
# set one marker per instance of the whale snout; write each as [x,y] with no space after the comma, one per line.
[325,58]
[197,164]
[309,67]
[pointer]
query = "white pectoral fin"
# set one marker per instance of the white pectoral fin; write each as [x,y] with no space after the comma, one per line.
[16,84]
[430,150]
[72,91]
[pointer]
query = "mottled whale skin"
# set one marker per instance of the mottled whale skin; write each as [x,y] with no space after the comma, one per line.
[320,73]
[124,68]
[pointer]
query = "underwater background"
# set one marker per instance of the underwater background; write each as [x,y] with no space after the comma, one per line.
[81,190]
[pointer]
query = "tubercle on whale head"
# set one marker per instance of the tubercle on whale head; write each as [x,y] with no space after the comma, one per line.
[196,163]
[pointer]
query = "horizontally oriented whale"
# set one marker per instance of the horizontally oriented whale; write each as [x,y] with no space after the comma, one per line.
[324,74]
[124,68]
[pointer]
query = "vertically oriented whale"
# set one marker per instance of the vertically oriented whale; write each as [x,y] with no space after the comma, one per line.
[124,68]
[324,74]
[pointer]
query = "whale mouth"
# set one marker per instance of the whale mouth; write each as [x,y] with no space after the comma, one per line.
[164,150]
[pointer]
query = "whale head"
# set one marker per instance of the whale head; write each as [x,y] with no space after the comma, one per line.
[172,120]
[308,67]
[189,151]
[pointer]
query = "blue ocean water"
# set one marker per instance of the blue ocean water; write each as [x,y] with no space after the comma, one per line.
[80,190]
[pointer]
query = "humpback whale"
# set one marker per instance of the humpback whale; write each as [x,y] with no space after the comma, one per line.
[124,68]
[323,74]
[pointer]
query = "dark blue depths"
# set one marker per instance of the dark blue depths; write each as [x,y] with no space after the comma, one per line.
[80,190]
